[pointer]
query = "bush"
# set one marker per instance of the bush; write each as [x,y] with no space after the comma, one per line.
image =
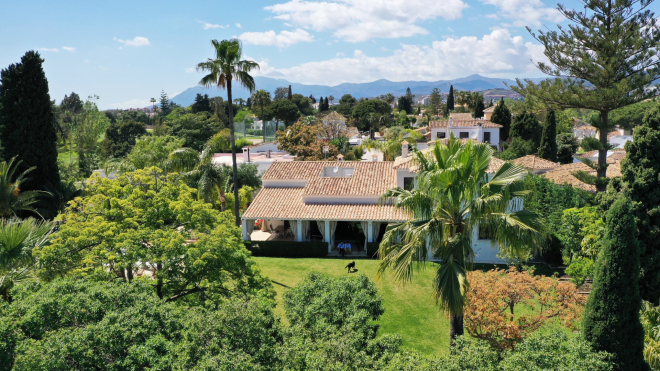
[242,142]
[288,249]
[590,144]
[580,269]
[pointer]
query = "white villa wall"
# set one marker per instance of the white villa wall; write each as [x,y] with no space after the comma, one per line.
[401,174]
[473,133]
[272,146]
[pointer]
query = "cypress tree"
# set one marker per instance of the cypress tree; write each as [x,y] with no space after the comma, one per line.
[611,317]
[502,116]
[289,96]
[479,109]
[450,98]
[641,172]
[548,147]
[27,123]
[326,104]
[321,102]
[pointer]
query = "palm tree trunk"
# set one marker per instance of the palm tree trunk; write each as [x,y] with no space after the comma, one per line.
[455,327]
[233,152]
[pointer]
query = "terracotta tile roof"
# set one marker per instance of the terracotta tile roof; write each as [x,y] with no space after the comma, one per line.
[533,162]
[287,204]
[460,116]
[490,109]
[368,179]
[463,123]
[564,174]
[410,162]
[613,156]
[585,127]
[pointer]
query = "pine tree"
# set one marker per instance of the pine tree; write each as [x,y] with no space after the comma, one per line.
[450,98]
[289,96]
[164,104]
[479,109]
[548,147]
[27,124]
[326,104]
[611,317]
[502,116]
[603,61]
[641,172]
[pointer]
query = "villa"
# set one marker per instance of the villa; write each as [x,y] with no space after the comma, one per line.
[332,201]
[479,130]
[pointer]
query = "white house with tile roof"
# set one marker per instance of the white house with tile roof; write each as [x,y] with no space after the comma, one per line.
[316,196]
[482,131]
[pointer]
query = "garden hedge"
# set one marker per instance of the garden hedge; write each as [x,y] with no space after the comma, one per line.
[287,249]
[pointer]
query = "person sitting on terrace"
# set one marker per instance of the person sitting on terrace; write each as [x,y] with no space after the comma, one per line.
[342,248]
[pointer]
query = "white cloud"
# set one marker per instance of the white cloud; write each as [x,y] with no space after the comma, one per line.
[137,41]
[524,12]
[239,25]
[340,54]
[134,103]
[54,50]
[189,69]
[208,26]
[497,54]
[282,40]
[70,49]
[361,20]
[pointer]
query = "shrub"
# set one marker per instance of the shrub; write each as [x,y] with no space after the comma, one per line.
[580,269]
[288,249]
[590,144]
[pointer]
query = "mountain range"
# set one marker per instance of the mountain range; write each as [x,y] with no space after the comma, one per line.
[358,90]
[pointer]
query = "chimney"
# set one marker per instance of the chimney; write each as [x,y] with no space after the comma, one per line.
[374,157]
[267,153]
[246,154]
[404,149]
[340,157]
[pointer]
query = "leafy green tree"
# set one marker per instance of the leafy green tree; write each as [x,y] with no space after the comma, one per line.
[502,116]
[548,147]
[582,233]
[194,129]
[17,239]
[567,145]
[83,324]
[27,124]
[435,100]
[303,103]
[450,183]
[131,224]
[526,130]
[606,59]
[148,151]
[13,198]
[632,116]
[362,111]
[405,104]
[90,125]
[641,173]
[280,93]
[127,115]
[285,110]
[201,104]
[345,105]
[650,318]
[225,67]
[611,318]
[71,103]
[590,144]
[120,138]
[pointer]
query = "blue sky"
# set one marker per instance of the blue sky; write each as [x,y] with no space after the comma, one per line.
[127,51]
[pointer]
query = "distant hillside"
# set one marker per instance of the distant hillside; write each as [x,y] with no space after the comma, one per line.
[361,90]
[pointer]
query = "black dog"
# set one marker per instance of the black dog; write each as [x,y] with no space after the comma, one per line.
[350,267]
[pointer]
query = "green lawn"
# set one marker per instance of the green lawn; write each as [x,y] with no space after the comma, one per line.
[410,311]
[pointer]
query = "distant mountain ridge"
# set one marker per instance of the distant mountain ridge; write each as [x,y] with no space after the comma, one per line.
[358,90]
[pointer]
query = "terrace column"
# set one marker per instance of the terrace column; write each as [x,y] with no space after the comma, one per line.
[326,236]
[244,229]
[299,232]
[370,232]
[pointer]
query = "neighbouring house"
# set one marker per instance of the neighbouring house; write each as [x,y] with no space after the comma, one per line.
[535,165]
[262,154]
[336,201]
[617,137]
[583,131]
[482,131]
[488,112]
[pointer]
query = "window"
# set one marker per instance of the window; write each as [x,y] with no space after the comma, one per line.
[464,135]
[486,137]
[484,233]
[408,183]
[441,135]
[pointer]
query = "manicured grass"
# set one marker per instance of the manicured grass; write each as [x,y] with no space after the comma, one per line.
[410,310]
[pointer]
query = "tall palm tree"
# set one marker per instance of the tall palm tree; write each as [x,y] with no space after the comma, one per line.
[225,67]
[454,196]
[12,199]
[262,98]
[17,240]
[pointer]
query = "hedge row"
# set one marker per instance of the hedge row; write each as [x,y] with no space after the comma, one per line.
[288,249]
